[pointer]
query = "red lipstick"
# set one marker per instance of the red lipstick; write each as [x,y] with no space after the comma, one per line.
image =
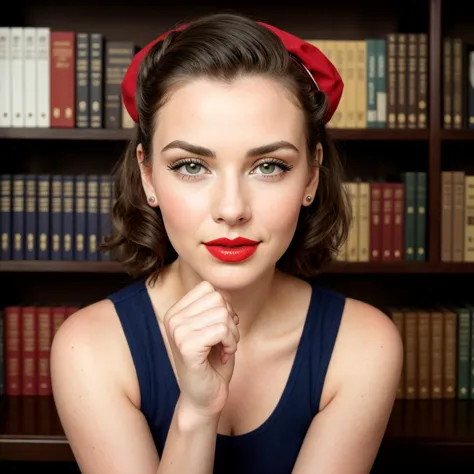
[235,250]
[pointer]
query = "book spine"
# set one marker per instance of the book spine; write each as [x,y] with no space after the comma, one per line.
[44,217]
[44,350]
[446,216]
[105,225]
[412,80]
[422,67]
[56,217]
[463,353]
[398,221]
[447,84]
[450,354]
[92,182]
[437,352]
[470,89]
[392,80]
[371,83]
[82,80]
[375,221]
[387,222]
[424,389]
[30,79]
[43,74]
[62,76]
[6,211]
[29,351]
[68,218]
[381,82]
[411,352]
[80,218]
[361,95]
[18,217]
[12,342]
[420,215]
[457,225]
[17,76]
[469,219]
[5,78]
[96,69]
[402,75]
[31,220]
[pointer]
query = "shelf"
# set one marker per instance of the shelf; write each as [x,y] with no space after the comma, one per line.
[457,135]
[373,134]
[400,267]
[30,429]
[65,134]
[49,266]
[382,134]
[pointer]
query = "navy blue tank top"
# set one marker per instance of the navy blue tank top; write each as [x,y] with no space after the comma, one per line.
[272,447]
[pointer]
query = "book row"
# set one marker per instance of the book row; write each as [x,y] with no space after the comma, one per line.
[438,351]
[457,84]
[26,335]
[388,220]
[385,81]
[72,79]
[55,217]
[457,217]
[62,79]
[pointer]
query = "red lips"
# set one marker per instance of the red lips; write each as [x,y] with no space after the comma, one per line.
[232,251]
[237,242]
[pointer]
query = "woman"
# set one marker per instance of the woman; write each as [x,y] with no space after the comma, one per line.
[222,356]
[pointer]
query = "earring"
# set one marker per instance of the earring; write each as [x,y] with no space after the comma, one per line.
[151,199]
[309,198]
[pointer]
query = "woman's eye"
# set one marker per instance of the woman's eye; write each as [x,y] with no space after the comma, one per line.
[191,168]
[267,168]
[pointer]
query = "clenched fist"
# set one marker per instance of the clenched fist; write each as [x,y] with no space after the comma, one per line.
[203,335]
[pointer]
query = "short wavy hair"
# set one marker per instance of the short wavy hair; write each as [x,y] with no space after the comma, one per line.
[225,46]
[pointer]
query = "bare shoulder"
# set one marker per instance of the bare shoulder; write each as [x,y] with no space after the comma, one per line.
[91,341]
[368,351]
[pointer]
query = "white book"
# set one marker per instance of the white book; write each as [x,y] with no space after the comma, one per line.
[17,67]
[30,76]
[43,102]
[5,79]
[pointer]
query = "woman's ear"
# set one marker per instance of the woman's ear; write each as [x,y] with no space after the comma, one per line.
[146,177]
[313,180]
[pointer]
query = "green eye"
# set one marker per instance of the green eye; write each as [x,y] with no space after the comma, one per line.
[267,168]
[192,168]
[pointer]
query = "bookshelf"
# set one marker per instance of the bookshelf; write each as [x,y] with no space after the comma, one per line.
[439,431]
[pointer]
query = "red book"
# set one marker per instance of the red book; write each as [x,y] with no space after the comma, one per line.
[62,79]
[45,336]
[58,316]
[12,329]
[387,222]
[29,352]
[398,221]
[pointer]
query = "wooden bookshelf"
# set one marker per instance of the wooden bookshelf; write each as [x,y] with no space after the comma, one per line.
[49,266]
[438,430]
[124,134]
[30,429]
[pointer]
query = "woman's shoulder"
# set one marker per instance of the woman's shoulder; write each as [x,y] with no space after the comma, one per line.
[368,351]
[92,341]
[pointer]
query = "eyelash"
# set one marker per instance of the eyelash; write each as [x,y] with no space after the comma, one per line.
[186,161]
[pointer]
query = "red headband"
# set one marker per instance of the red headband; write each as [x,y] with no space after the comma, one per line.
[314,62]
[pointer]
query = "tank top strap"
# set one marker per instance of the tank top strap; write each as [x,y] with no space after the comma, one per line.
[158,387]
[325,315]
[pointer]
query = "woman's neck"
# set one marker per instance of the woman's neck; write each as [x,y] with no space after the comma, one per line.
[253,303]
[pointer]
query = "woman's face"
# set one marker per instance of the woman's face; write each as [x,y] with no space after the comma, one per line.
[229,161]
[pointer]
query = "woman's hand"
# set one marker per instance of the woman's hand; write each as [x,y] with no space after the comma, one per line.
[203,335]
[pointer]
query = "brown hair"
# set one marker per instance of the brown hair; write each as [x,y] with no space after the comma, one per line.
[225,46]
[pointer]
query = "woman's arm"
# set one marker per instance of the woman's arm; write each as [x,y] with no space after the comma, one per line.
[345,436]
[96,395]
